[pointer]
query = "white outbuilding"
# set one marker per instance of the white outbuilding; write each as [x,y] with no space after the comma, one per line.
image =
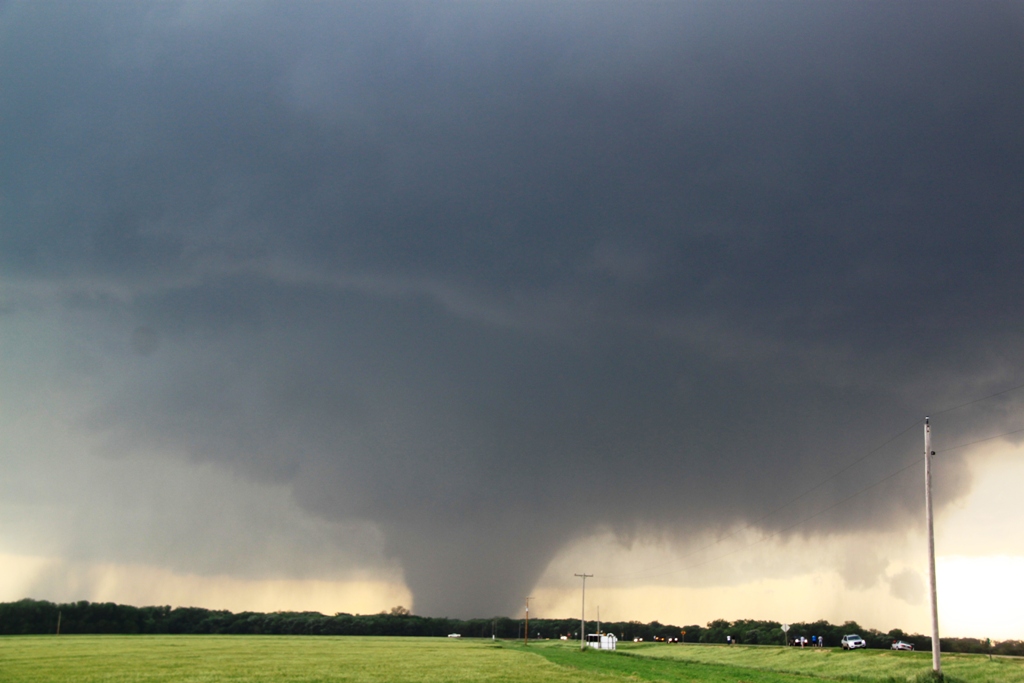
[602,641]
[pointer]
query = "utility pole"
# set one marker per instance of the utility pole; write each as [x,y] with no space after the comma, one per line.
[58,622]
[583,612]
[599,620]
[928,453]
[526,636]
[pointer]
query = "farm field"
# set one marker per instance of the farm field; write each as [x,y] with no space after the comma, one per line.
[287,659]
[221,659]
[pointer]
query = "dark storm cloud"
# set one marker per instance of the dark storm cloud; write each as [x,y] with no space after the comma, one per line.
[466,270]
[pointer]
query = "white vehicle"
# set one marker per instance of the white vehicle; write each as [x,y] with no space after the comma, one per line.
[902,645]
[454,635]
[852,642]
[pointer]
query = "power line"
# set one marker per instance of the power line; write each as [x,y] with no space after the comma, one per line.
[815,487]
[978,400]
[987,438]
[917,460]
[808,491]
[838,473]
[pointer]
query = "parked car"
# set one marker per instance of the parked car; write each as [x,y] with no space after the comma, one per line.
[901,645]
[852,642]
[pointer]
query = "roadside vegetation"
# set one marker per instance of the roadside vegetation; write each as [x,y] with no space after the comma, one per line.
[27,617]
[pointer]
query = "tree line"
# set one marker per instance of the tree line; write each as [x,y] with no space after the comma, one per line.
[39,617]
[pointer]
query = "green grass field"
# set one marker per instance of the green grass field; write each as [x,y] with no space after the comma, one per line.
[222,659]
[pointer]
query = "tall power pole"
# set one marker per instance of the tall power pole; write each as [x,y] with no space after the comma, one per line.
[526,636]
[583,612]
[928,453]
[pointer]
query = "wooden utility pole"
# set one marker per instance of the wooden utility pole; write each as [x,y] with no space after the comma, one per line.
[928,453]
[526,636]
[58,622]
[583,612]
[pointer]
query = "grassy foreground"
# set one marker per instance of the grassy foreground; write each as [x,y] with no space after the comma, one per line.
[223,659]
[287,659]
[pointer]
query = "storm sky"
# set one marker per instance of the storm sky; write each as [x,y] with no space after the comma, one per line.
[439,290]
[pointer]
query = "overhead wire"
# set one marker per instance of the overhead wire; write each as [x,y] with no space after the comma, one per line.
[987,438]
[646,573]
[978,400]
[915,461]
[789,502]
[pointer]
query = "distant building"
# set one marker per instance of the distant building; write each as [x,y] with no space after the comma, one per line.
[602,641]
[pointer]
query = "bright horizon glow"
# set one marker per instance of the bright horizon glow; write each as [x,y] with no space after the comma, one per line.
[980,557]
[968,608]
[979,592]
[142,585]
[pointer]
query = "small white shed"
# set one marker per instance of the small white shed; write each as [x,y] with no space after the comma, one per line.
[602,641]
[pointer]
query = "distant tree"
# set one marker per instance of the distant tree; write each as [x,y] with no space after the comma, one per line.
[40,617]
